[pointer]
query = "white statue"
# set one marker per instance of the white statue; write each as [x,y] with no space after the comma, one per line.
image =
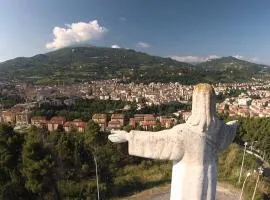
[193,147]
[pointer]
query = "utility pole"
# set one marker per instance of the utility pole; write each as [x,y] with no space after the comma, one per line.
[242,191]
[258,178]
[243,159]
[96,176]
[263,155]
[253,142]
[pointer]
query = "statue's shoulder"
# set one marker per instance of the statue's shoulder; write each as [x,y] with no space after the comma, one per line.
[179,128]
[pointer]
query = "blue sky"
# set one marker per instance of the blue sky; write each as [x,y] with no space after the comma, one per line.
[187,30]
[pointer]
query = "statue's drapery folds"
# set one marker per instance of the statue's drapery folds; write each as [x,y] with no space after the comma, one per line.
[166,145]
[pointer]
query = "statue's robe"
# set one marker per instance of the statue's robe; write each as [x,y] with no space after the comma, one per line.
[193,153]
[166,144]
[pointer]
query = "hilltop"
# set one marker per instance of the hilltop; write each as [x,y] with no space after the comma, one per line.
[231,68]
[90,63]
[77,64]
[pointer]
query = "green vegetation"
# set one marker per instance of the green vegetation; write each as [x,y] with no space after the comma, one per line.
[230,68]
[7,101]
[85,63]
[253,129]
[77,64]
[229,168]
[58,165]
[165,109]
[9,96]
[229,94]
[84,109]
[249,130]
[42,165]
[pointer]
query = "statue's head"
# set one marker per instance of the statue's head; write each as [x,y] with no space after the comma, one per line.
[203,117]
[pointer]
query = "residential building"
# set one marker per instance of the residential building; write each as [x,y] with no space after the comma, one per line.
[75,125]
[116,125]
[39,121]
[9,117]
[55,123]
[118,117]
[101,120]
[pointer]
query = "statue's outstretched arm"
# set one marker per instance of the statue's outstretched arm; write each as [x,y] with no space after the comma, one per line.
[227,135]
[166,144]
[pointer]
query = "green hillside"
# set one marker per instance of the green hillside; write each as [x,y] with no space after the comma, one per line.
[235,69]
[76,64]
[90,63]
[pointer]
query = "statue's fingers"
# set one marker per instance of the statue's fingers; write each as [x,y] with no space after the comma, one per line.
[232,125]
[113,138]
[116,139]
[234,122]
[114,131]
[118,132]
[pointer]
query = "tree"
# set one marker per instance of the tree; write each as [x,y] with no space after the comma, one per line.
[97,144]
[127,128]
[11,180]
[67,154]
[139,128]
[92,134]
[266,145]
[38,168]
[157,127]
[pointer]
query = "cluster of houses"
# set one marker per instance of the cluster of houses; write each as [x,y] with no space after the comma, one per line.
[148,121]
[245,106]
[145,121]
[115,121]
[20,115]
[56,122]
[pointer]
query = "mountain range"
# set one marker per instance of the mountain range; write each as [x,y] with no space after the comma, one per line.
[77,64]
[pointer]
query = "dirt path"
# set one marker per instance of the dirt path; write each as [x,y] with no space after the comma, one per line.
[224,192]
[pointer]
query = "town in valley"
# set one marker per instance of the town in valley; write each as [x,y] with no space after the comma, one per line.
[235,99]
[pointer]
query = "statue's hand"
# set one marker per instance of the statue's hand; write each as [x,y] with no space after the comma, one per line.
[118,136]
[232,123]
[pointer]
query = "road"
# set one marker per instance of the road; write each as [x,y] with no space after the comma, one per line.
[224,192]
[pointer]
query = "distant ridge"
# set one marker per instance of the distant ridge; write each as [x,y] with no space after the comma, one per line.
[230,62]
[86,63]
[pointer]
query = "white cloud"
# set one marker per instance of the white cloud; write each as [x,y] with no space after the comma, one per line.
[194,59]
[199,59]
[76,33]
[239,57]
[252,59]
[142,45]
[122,19]
[115,46]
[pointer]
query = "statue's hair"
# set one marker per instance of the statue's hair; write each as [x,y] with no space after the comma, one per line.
[203,117]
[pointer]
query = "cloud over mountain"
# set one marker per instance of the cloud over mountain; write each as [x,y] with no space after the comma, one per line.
[199,59]
[115,46]
[76,33]
[194,59]
[253,59]
[142,45]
